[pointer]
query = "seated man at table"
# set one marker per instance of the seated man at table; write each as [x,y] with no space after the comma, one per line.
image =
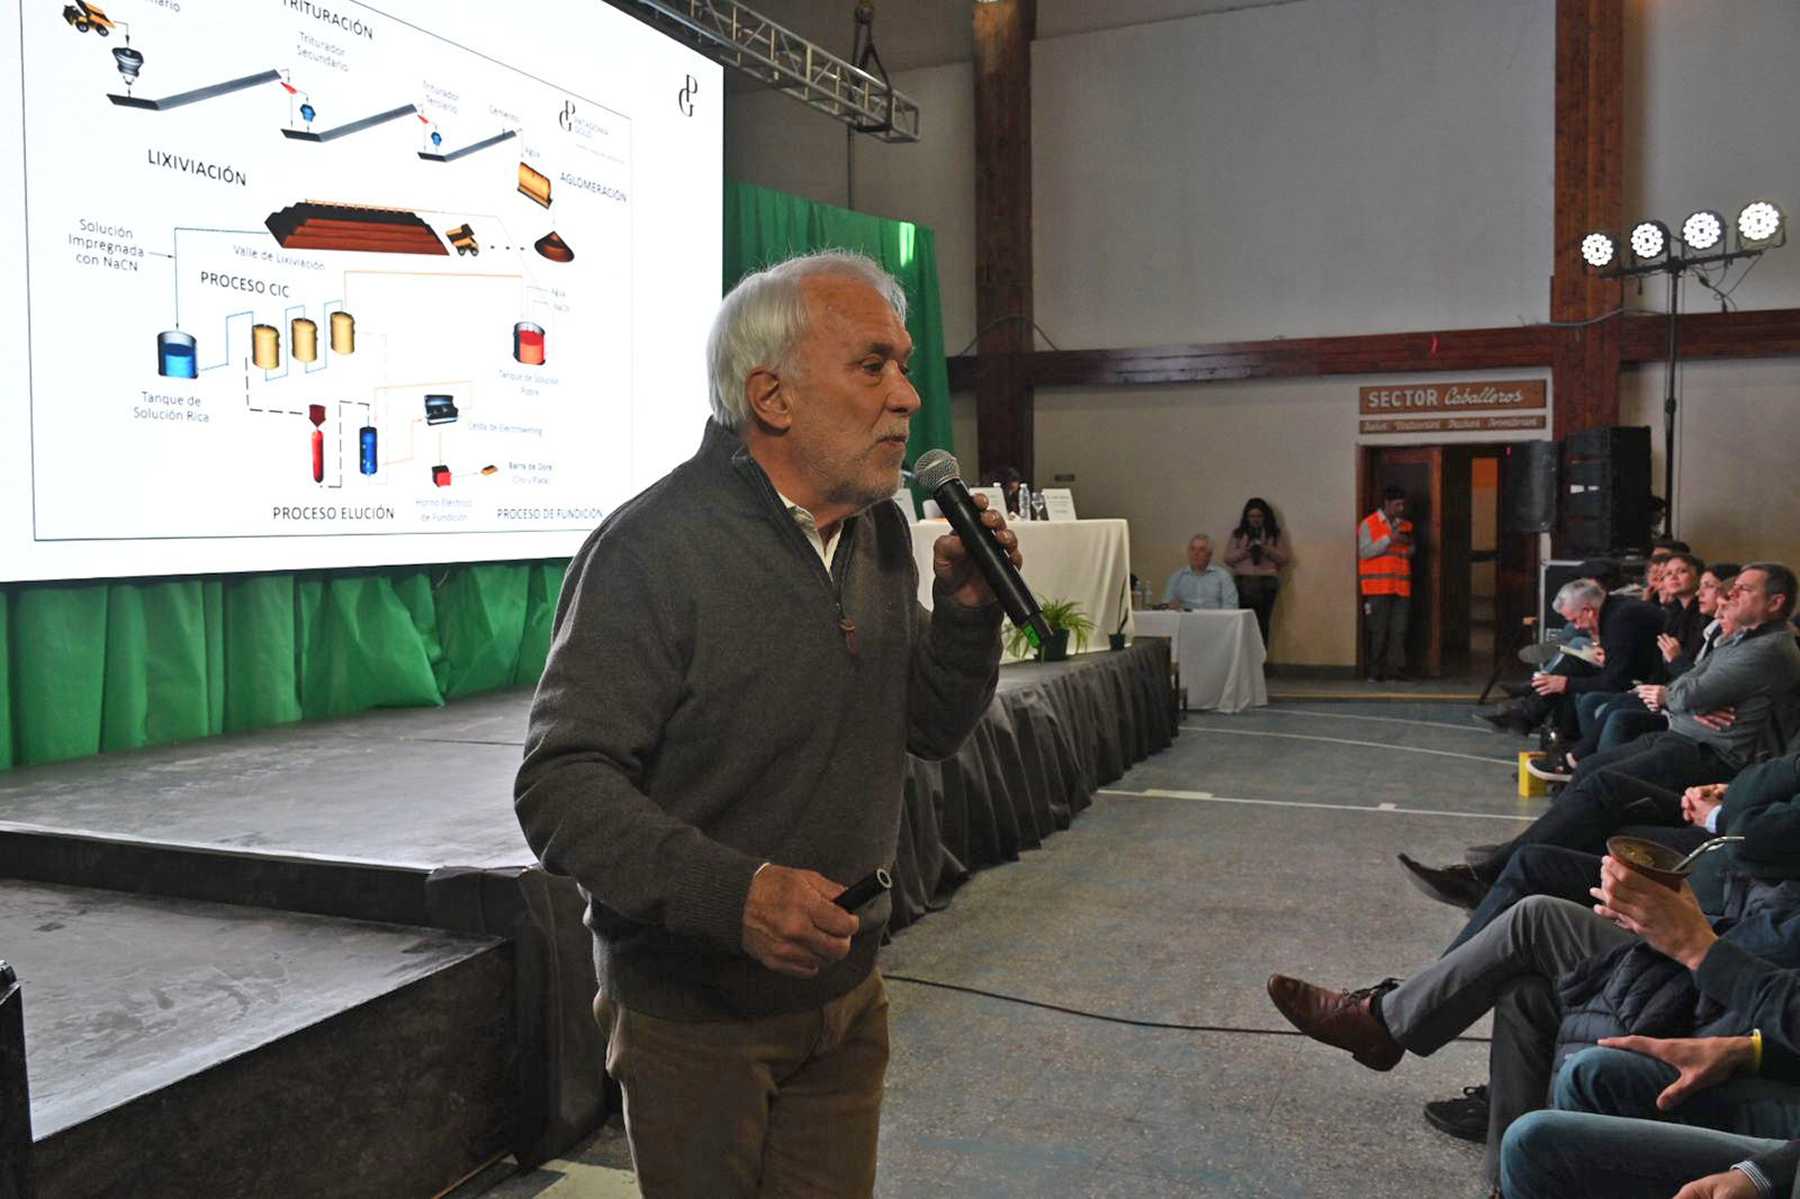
[1200,584]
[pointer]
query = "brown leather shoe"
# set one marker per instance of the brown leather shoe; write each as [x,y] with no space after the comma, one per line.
[1344,1019]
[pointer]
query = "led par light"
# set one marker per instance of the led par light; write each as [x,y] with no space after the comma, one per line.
[1649,240]
[1761,224]
[1598,250]
[1702,230]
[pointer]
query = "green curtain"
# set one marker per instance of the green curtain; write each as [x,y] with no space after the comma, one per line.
[117,665]
[764,226]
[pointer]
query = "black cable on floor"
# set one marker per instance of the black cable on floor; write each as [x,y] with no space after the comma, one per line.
[1086,1015]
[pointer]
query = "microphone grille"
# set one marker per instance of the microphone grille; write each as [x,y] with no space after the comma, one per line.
[936,468]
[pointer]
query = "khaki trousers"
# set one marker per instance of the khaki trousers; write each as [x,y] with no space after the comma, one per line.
[786,1106]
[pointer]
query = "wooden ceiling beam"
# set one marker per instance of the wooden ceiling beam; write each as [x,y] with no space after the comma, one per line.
[1003,272]
[1768,333]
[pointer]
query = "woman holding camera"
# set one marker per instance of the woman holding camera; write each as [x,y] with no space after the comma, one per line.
[1255,555]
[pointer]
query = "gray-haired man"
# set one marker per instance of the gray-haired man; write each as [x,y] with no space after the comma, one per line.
[739,667]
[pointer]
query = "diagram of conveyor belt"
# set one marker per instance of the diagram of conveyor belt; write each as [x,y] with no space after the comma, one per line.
[318,270]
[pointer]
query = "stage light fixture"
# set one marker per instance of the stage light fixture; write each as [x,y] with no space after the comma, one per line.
[1649,240]
[1598,249]
[1761,224]
[1702,230]
[1651,250]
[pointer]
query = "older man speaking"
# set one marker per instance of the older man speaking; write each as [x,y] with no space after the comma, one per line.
[740,665]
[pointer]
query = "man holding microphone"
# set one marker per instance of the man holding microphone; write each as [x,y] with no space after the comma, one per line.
[739,667]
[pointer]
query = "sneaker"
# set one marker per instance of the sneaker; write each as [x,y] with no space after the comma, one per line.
[1466,1119]
[1551,768]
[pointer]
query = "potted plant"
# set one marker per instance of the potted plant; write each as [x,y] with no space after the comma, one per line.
[1064,617]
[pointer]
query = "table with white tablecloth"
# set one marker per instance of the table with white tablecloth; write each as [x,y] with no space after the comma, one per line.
[1217,654]
[1088,561]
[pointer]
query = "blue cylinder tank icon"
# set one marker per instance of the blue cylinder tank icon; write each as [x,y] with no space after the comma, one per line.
[367,441]
[175,354]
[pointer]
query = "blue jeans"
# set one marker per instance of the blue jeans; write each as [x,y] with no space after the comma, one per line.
[1613,1082]
[1608,719]
[1587,710]
[1555,1155]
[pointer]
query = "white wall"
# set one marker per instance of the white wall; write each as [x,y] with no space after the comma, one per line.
[1302,170]
[1321,167]
[1710,100]
[1708,124]
[1737,442]
[1182,460]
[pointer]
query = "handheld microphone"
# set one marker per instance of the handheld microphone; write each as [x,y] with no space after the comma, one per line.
[861,892]
[939,474]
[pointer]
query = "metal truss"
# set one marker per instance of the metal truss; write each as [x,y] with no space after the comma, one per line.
[737,37]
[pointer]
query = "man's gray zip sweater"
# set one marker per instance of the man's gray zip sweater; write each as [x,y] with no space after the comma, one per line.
[715,699]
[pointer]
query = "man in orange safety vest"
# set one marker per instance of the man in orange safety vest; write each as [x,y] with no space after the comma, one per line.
[1384,550]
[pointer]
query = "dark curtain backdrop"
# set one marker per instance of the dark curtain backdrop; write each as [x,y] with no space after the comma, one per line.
[87,668]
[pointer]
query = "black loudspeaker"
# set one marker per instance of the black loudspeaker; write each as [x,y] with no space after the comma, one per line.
[1531,486]
[1605,490]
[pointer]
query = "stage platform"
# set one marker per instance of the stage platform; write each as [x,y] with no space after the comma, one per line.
[254,964]
[173,1043]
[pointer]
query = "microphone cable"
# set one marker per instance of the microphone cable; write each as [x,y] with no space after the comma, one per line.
[1126,1020]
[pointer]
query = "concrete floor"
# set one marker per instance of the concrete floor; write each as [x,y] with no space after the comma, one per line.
[1261,842]
[1288,685]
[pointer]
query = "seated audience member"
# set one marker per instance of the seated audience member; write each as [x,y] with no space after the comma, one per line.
[1607,720]
[1546,956]
[1200,585]
[1626,630]
[1716,1104]
[1715,583]
[1256,553]
[1569,874]
[1730,710]
[1651,588]
[1683,618]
